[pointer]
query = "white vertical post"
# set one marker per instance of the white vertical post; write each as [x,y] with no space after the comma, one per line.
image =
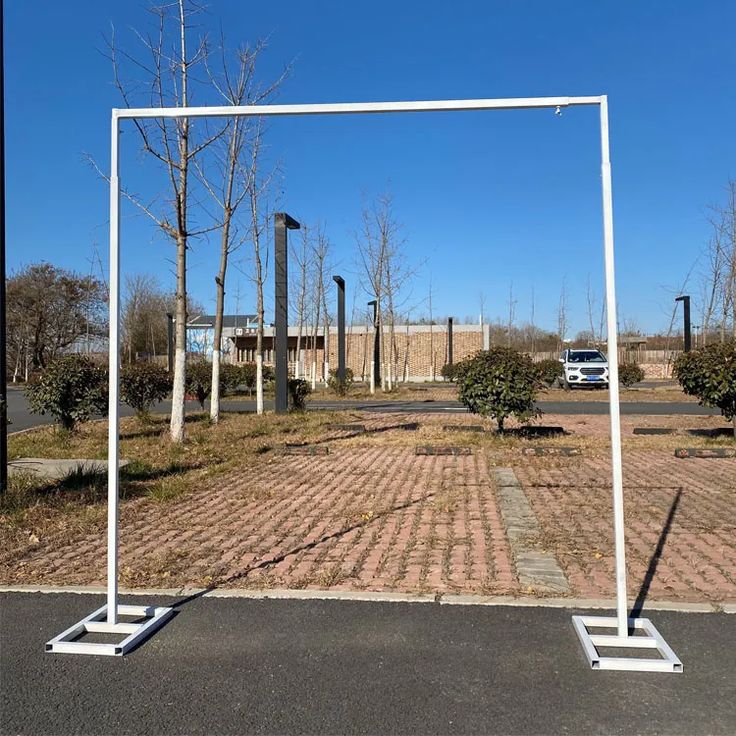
[615,409]
[114,352]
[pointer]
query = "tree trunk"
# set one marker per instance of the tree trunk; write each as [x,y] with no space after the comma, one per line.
[180,357]
[219,312]
[259,334]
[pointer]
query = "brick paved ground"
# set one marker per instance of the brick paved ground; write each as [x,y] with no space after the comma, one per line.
[697,559]
[373,515]
[378,519]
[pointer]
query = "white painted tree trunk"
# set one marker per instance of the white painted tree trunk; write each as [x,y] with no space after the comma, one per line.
[215,396]
[373,378]
[177,396]
[259,383]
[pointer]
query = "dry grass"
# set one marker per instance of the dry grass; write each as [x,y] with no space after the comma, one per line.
[162,473]
[159,470]
[439,392]
[665,392]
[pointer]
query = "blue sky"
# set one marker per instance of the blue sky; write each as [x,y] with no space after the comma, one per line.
[486,199]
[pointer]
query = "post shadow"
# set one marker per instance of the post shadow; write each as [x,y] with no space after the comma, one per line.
[636,609]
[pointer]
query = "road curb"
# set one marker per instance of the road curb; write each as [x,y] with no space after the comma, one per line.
[446,599]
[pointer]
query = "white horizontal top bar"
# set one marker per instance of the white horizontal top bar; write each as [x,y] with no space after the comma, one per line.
[346,108]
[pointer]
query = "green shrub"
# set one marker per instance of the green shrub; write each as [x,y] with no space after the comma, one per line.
[231,376]
[269,375]
[629,374]
[144,384]
[298,391]
[448,371]
[71,388]
[341,388]
[550,371]
[710,374]
[499,383]
[248,376]
[453,371]
[198,380]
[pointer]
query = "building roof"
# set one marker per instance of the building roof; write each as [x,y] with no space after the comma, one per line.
[207,321]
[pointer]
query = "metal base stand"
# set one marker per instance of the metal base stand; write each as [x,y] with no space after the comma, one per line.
[96,623]
[666,662]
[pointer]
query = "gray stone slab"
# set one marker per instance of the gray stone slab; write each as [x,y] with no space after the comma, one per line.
[654,430]
[536,568]
[444,450]
[685,452]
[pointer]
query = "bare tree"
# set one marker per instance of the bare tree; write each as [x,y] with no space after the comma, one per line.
[532,325]
[511,314]
[227,179]
[256,187]
[169,68]
[431,332]
[300,256]
[727,236]
[562,324]
[596,318]
[323,248]
[372,253]
[48,310]
[143,321]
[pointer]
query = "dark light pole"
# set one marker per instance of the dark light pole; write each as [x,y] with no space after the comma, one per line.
[686,320]
[282,223]
[376,344]
[449,340]
[340,281]
[3,326]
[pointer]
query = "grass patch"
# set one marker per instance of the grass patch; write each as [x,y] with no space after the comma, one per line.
[35,510]
[168,488]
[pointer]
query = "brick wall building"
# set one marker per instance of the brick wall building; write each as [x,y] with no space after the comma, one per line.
[420,351]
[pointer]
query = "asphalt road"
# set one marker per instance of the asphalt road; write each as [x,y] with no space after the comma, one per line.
[21,417]
[238,666]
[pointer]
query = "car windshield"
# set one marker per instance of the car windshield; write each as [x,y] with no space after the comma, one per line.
[587,356]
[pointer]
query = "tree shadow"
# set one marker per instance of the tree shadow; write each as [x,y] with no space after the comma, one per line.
[275,559]
[713,432]
[407,426]
[534,432]
[638,606]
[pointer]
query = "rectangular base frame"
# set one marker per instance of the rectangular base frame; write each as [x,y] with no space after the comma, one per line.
[66,643]
[666,662]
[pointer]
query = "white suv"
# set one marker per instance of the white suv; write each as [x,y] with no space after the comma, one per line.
[584,368]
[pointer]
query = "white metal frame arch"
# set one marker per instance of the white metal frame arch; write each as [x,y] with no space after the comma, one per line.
[106,619]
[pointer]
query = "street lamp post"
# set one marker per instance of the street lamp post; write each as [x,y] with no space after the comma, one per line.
[282,223]
[375,363]
[449,340]
[340,281]
[3,326]
[685,299]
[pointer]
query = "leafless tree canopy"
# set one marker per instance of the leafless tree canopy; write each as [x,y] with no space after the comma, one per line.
[48,309]
[387,275]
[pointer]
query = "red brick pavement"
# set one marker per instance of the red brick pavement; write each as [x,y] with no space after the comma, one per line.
[697,560]
[376,518]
